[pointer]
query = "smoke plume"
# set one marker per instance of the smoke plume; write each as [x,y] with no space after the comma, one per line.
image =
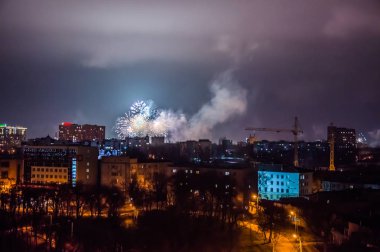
[374,138]
[228,100]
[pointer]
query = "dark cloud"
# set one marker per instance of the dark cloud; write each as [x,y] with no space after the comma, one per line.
[87,61]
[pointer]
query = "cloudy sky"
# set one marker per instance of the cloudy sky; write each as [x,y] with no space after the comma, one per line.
[87,61]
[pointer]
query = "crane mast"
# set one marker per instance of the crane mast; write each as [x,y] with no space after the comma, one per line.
[295,131]
[332,152]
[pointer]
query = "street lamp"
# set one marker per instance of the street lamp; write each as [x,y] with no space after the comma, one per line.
[294,216]
[256,197]
[299,240]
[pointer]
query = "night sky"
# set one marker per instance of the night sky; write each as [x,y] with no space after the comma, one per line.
[87,61]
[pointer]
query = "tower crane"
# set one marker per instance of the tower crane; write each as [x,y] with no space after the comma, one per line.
[331,141]
[295,131]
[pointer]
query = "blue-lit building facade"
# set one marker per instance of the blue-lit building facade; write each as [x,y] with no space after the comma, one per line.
[276,182]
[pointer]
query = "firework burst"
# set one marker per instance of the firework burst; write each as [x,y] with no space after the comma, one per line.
[141,120]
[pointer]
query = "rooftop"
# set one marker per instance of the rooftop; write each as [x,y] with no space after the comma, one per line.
[281,168]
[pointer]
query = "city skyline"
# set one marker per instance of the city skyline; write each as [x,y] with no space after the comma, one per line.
[67,62]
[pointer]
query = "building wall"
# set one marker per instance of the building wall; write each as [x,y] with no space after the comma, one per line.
[81,163]
[306,183]
[241,177]
[345,144]
[329,186]
[45,174]
[10,172]
[87,165]
[77,133]
[11,137]
[117,171]
[276,185]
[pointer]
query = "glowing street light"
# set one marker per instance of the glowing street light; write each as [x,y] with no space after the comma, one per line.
[299,240]
[294,216]
[256,197]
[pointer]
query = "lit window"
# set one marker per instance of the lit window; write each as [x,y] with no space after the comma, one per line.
[227,173]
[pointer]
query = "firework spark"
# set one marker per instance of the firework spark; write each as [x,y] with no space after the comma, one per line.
[140,121]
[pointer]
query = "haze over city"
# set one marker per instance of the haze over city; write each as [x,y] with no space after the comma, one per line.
[66,61]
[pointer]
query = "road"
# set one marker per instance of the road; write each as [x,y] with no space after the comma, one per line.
[285,241]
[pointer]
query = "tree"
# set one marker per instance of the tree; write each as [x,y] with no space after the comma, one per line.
[79,199]
[136,193]
[115,200]
[271,218]
[159,188]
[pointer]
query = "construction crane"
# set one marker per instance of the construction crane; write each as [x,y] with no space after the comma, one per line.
[331,142]
[295,131]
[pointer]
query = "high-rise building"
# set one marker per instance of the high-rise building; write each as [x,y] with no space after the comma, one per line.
[345,144]
[76,133]
[11,137]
